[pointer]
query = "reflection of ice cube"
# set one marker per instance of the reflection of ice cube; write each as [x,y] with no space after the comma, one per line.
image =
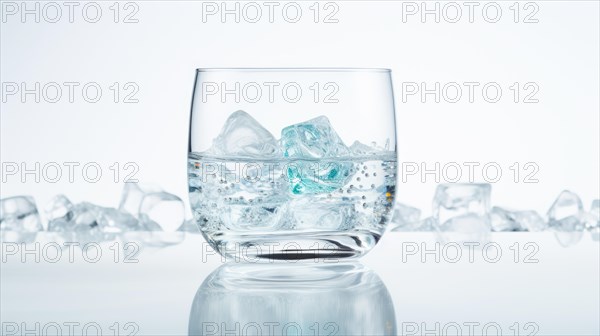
[19,214]
[243,136]
[568,231]
[405,218]
[463,209]
[314,139]
[505,220]
[468,227]
[19,219]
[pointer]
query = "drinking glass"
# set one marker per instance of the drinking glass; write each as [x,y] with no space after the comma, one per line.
[294,163]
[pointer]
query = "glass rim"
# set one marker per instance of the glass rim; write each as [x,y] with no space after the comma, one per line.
[298,69]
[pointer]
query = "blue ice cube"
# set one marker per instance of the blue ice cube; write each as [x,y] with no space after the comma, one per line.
[308,142]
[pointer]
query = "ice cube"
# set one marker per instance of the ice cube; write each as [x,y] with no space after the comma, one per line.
[566,212]
[60,207]
[132,196]
[249,216]
[163,208]
[405,218]
[592,221]
[19,214]
[148,203]
[310,140]
[507,220]
[87,217]
[322,215]
[314,138]
[19,219]
[453,200]
[592,218]
[463,209]
[243,136]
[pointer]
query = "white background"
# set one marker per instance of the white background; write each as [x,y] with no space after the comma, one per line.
[559,53]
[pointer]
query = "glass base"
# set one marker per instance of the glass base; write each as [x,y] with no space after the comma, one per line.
[323,245]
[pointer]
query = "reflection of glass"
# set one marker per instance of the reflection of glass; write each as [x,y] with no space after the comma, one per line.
[258,299]
[295,163]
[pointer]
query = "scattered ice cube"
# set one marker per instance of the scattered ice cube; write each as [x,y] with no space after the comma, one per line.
[567,204]
[506,220]
[314,138]
[167,210]
[148,203]
[114,221]
[405,218]
[595,208]
[310,140]
[459,199]
[79,217]
[60,207]
[86,222]
[592,218]
[243,136]
[461,211]
[132,196]
[565,217]
[566,213]
[19,214]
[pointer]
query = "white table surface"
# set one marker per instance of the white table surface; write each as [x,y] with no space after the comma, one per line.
[557,295]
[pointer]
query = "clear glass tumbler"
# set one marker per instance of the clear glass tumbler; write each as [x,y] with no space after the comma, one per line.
[295,163]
